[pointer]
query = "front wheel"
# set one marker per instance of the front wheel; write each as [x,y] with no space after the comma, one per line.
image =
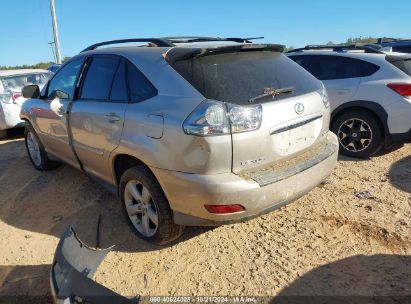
[147,207]
[37,154]
[359,133]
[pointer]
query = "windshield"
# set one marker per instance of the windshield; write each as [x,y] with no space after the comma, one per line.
[238,77]
[17,82]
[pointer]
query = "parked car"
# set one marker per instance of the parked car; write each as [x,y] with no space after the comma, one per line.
[369,91]
[54,67]
[193,133]
[394,45]
[11,84]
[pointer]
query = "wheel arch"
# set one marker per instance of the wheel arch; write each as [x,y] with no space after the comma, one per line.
[372,107]
[122,162]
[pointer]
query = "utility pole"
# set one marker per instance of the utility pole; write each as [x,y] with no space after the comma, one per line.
[55,32]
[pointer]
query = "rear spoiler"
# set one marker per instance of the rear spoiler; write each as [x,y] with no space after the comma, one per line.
[182,53]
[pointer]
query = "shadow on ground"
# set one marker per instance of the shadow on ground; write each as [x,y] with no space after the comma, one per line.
[49,202]
[358,279]
[29,282]
[400,174]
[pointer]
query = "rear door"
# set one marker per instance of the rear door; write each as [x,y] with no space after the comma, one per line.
[97,116]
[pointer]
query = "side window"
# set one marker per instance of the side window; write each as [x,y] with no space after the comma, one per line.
[402,49]
[119,88]
[304,60]
[63,83]
[99,78]
[139,87]
[339,67]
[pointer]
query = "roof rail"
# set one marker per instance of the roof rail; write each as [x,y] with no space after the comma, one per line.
[170,41]
[338,48]
[191,39]
[388,39]
[156,41]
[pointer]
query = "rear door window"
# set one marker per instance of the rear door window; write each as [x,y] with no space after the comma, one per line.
[98,81]
[119,88]
[237,77]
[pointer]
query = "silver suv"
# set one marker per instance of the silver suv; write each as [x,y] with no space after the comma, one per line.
[369,91]
[198,131]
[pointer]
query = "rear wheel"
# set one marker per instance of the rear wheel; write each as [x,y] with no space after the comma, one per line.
[359,133]
[37,154]
[147,207]
[3,134]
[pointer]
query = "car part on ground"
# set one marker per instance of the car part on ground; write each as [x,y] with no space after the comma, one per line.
[72,271]
[168,127]
[369,92]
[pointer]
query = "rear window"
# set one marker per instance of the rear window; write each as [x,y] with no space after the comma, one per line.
[403,64]
[237,77]
[402,49]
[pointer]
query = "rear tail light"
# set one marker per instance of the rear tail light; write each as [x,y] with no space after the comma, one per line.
[15,96]
[6,98]
[223,209]
[217,118]
[404,89]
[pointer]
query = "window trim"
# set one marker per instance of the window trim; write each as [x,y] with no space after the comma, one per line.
[127,62]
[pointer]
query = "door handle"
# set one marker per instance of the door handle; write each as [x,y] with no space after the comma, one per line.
[112,117]
[342,91]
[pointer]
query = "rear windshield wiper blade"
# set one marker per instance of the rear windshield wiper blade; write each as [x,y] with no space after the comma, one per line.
[272,92]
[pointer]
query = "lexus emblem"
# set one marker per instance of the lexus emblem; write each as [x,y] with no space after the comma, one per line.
[299,108]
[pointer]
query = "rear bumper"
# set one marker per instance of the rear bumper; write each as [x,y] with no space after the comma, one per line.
[71,273]
[187,193]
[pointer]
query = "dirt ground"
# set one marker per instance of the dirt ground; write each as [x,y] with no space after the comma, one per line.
[330,242]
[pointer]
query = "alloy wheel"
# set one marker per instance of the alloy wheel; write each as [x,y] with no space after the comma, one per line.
[34,149]
[141,208]
[355,134]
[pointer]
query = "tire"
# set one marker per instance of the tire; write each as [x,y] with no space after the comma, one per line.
[3,134]
[35,149]
[359,133]
[143,199]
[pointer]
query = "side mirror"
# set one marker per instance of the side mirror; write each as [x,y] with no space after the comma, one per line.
[31,91]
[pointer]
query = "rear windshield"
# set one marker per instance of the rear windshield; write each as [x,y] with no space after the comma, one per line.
[404,65]
[237,77]
[17,82]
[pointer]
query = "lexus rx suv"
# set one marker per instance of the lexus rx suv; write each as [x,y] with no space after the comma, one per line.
[197,131]
[369,91]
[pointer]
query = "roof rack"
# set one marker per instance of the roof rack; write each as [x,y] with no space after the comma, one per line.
[170,41]
[388,39]
[191,39]
[156,41]
[338,48]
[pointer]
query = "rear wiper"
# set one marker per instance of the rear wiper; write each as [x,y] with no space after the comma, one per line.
[272,92]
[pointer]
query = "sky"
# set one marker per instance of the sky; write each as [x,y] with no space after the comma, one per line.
[26,30]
